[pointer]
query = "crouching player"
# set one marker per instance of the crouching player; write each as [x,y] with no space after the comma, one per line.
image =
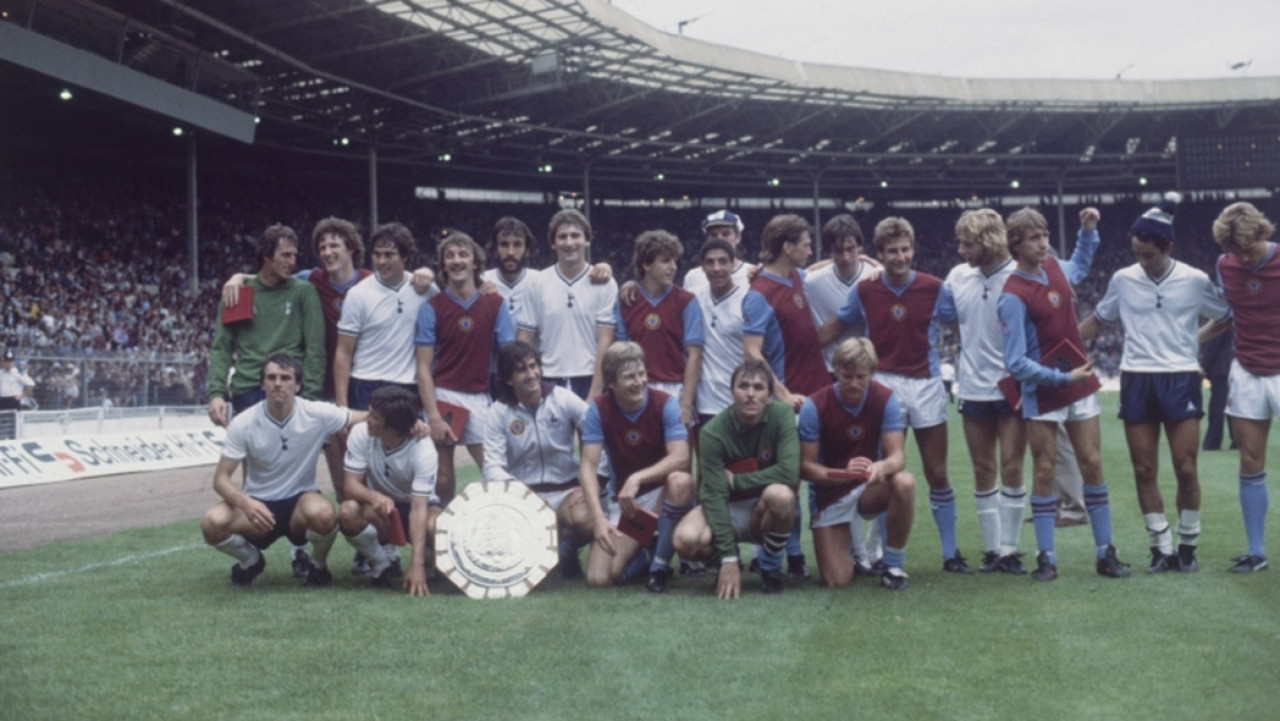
[388,469]
[649,448]
[278,440]
[529,436]
[750,466]
[855,426]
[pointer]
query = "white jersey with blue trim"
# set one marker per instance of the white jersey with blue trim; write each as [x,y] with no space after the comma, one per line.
[399,473]
[280,456]
[1161,316]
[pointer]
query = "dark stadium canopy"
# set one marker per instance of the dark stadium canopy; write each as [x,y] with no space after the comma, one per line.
[540,94]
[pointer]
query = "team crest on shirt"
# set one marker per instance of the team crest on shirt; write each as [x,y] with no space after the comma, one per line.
[766,456]
[856,432]
[652,321]
[466,324]
[1055,298]
[633,437]
[898,311]
[337,303]
[1253,286]
[799,299]
[516,427]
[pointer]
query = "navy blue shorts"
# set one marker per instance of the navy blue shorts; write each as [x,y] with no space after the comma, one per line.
[1158,397]
[984,409]
[245,401]
[283,511]
[580,385]
[360,391]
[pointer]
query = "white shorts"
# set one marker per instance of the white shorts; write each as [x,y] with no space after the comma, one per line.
[651,500]
[1253,397]
[923,400]
[842,511]
[477,405]
[672,389]
[555,499]
[1081,410]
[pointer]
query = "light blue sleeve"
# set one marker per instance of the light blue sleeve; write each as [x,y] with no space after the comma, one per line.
[1082,257]
[592,428]
[756,314]
[944,311]
[504,331]
[425,332]
[1014,329]
[672,428]
[620,328]
[808,423]
[892,419]
[694,333]
[851,312]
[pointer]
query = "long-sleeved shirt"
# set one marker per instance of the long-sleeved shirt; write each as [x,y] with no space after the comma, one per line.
[724,441]
[287,318]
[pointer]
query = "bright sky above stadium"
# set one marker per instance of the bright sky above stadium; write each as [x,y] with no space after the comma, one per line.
[1085,39]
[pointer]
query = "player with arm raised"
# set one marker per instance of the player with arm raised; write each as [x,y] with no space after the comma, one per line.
[1038,320]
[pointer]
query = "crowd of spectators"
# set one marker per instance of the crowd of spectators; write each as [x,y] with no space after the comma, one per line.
[97,294]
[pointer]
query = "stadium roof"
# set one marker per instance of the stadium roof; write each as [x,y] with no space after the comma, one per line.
[497,92]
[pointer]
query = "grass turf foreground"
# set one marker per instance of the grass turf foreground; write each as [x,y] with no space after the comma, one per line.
[143,624]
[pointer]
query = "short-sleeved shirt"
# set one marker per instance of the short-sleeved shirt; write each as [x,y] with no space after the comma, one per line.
[465,335]
[827,292]
[636,440]
[722,353]
[280,456]
[665,326]
[900,322]
[381,318]
[400,473]
[1161,316]
[1254,296]
[968,299]
[696,279]
[777,310]
[565,313]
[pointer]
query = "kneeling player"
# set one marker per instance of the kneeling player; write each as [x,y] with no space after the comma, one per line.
[749,463]
[649,449]
[387,469]
[529,437]
[855,427]
[278,440]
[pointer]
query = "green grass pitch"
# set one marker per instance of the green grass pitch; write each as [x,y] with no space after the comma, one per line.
[143,624]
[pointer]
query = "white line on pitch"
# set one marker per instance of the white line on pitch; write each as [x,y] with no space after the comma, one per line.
[36,578]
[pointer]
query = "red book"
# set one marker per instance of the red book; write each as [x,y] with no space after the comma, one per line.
[746,465]
[455,416]
[242,310]
[395,529]
[640,526]
[1064,357]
